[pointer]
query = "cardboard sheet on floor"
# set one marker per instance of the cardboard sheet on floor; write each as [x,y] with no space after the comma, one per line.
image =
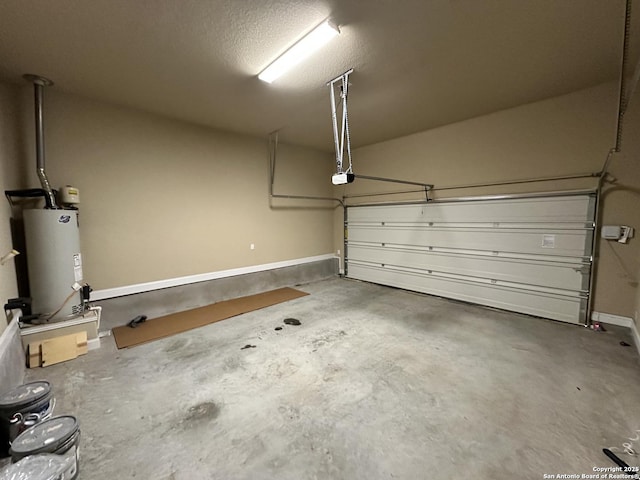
[198,317]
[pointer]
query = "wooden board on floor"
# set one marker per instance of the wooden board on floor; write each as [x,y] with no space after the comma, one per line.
[181,322]
[57,349]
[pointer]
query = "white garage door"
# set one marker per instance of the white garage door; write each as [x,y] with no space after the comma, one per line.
[528,255]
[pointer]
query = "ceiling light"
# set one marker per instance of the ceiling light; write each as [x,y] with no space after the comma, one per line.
[315,39]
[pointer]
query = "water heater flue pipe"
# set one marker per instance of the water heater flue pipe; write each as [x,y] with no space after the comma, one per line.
[38,84]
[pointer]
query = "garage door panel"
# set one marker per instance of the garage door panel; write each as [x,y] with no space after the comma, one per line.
[557,307]
[529,255]
[477,225]
[548,242]
[560,275]
[567,209]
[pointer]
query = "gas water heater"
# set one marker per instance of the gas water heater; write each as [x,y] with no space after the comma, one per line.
[54,260]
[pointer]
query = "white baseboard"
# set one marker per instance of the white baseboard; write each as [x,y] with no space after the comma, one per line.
[203,277]
[621,322]
[612,319]
[93,344]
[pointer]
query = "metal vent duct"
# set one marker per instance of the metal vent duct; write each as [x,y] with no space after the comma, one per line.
[38,84]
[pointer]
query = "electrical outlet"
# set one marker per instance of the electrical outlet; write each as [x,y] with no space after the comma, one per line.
[338,252]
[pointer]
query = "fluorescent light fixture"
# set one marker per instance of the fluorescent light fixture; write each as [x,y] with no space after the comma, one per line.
[315,39]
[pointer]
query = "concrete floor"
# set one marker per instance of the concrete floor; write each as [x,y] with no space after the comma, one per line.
[376,383]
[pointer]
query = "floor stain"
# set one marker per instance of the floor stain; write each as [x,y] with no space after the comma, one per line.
[328,339]
[281,368]
[231,364]
[292,413]
[202,412]
[331,372]
[190,355]
[176,344]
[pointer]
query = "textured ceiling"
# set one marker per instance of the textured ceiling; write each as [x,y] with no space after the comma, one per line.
[418,63]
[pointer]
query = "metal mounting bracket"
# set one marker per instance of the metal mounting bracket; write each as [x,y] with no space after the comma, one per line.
[341,135]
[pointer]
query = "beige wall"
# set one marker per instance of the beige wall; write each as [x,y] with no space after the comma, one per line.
[164,199]
[620,264]
[9,151]
[560,136]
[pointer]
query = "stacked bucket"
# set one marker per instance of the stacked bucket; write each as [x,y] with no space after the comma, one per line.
[41,446]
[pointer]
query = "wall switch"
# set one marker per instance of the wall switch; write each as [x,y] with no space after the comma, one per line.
[252,246]
[338,253]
